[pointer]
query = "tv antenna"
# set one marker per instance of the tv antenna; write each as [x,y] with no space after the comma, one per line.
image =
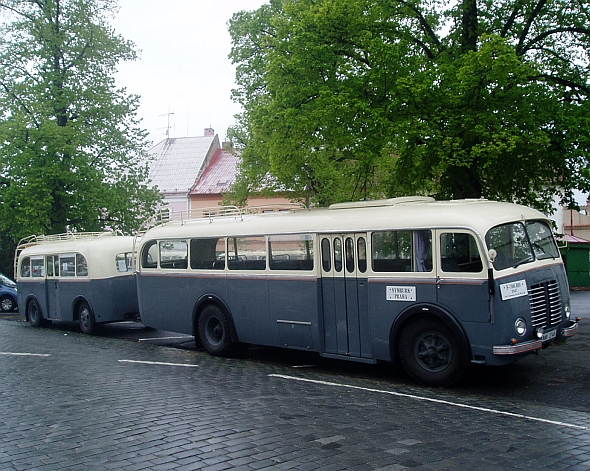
[170,113]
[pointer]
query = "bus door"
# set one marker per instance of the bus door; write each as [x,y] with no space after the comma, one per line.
[52,286]
[345,295]
[461,279]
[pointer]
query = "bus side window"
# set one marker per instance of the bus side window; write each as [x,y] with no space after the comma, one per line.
[349,252]
[459,253]
[149,256]
[402,251]
[291,252]
[246,253]
[38,267]
[81,265]
[173,254]
[338,254]
[25,267]
[362,254]
[326,255]
[68,265]
[49,265]
[124,262]
[207,254]
[392,251]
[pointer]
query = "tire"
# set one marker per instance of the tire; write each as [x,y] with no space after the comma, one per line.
[215,331]
[34,315]
[86,319]
[431,353]
[7,304]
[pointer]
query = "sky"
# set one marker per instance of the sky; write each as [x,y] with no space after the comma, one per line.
[183,73]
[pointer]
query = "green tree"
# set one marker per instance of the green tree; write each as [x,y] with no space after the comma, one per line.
[72,153]
[351,99]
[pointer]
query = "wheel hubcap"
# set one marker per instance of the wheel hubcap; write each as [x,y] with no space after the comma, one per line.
[214,331]
[433,351]
[85,318]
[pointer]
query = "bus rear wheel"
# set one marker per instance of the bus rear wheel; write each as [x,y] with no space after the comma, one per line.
[34,314]
[430,353]
[86,319]
[215,331]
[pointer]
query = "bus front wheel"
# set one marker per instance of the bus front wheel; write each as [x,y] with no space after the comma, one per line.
[430,353]
[86,319]
[215,331]
[34,314]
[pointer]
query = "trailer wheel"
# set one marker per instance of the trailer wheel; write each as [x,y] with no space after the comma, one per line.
[86,319]
[34,315]
[430,353]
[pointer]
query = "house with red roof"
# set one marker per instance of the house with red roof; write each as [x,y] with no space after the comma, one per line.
[193,173]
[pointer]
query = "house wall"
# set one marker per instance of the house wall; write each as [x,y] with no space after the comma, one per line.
[214,200]
[580,220]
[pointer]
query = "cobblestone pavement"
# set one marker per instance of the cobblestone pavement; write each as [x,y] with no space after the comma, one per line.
[77,402]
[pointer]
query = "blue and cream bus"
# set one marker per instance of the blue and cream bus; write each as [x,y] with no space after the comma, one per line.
[436,285]
[84,277]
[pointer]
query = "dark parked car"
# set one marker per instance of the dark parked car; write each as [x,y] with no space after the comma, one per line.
[8,299]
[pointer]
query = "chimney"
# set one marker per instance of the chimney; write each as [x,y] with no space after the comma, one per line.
[209,132]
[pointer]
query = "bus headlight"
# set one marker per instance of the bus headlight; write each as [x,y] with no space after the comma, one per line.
[520,326]
[568,311]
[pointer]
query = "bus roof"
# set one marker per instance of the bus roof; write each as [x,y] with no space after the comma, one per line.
[396,213]
[75,242]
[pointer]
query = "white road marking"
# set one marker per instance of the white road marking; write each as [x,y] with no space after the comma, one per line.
[26,354]
[158,363]
[438,401]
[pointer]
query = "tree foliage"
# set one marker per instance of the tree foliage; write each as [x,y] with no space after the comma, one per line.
[352,99]
[72,153]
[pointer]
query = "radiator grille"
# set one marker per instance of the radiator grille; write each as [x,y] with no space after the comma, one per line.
[545,302]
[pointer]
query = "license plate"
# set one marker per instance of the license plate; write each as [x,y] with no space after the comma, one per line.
[549,335]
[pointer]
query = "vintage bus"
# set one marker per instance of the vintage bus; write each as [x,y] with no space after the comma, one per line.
[86,278]
[436,285]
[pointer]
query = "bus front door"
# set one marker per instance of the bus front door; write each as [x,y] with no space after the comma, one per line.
[462,280]
[345,295]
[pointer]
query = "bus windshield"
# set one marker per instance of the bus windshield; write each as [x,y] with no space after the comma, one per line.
[518,243]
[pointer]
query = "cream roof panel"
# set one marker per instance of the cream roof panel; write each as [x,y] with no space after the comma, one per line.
[478,215]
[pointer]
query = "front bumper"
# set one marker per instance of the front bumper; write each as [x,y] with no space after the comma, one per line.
[532,345]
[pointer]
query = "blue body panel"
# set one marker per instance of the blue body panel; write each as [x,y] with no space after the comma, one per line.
[345,317]
[111,299]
